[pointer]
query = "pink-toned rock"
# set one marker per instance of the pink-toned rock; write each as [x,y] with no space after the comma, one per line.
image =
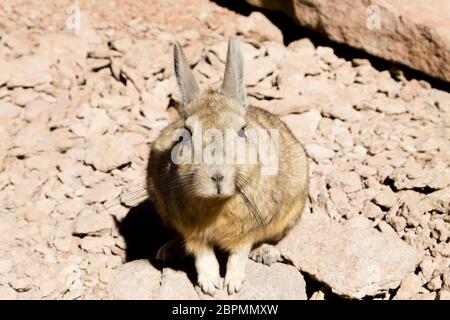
[417,33]
[304,125]
[258,69]
[108,152]
[318,152]
[96,244]
[104,191]
[91,223]
[29,71]
[352,261]
[8,110]
[277,282]
[256,26]
[176,285]
[386,198]
[410,286]
[7,293]
[136,280]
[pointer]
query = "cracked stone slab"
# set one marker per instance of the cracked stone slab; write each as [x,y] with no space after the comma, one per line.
[277,282]
[139,280]
[176,285]
[135,280]
[353,261]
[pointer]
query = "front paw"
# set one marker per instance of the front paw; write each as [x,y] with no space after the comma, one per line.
[209,282]
[234,281]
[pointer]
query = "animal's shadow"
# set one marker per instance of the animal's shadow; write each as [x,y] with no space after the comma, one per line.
[144,233]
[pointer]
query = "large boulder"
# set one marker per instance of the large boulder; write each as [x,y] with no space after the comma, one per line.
[415,33]
[354,260]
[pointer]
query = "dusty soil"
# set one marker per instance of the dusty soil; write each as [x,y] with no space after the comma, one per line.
[79,107]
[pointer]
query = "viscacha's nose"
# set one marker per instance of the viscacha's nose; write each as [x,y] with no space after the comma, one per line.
[217,177]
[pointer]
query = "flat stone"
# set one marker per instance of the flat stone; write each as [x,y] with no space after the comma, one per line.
[258,69]
[104,191]
[176,285]
[91,223]
[29,71]
[9,110]
[257,27]
[318,152]
[386,198]
[354,262]
[108,152]
[304,125]
[277,282]
[7,293]
[96,244]
[135,280]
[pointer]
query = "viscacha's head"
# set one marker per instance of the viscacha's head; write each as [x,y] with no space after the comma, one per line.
[214,150]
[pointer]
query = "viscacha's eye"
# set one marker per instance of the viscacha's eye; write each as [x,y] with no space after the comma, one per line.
[241,132]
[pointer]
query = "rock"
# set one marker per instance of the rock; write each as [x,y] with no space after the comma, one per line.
[319,295]
[91,223]
[359,222]
[108,152]
[7,293]
[176,285]
[258,28]
[96,244]
[104,191]
[443,295]
[386,198]
[8,110]
[277,282]
[348,181]
[353,262]
[410,286]
[29,71]
[21,284]
[371,210]
[373,31]
[434,284]
[32,135]
[304,45]
[391,107]
[428,266]
[37,109]
[22,97]
[4,75]
[135,280]
[5,266]
[319,153]
[304,125]
[63,244]
[63,47]
[258,69]
[114,102]
[440,200]
[99,124]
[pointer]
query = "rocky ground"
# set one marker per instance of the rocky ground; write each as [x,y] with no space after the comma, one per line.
[79,107]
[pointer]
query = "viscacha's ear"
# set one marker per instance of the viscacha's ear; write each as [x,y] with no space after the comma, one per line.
[189,89]
[233,80]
